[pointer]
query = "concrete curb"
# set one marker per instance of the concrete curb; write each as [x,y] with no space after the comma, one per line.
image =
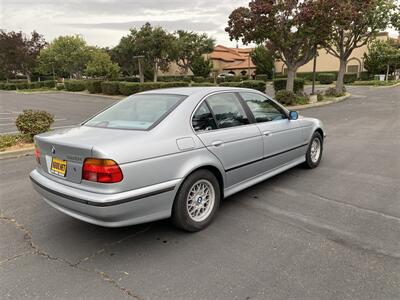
[17,153]
[318,104]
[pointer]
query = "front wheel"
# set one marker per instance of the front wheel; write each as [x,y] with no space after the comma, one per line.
[314,152]
[197,201]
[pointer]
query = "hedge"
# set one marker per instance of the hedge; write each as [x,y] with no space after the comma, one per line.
[280,84]
[174,78]
[199,79]
[22,85]
[231,84]
[110,87]
[232,78]
[129,88]
[326,78]
[258,85]
[194,84]
[350,77]
[93,86]
[263,77]
[75,85]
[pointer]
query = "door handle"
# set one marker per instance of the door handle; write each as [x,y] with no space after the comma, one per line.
[217,143]
[267,133]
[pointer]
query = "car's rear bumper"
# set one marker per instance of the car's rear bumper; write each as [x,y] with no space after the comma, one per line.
[110,210]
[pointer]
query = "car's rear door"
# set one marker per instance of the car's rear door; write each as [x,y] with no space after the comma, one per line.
[224,126]
[283,138]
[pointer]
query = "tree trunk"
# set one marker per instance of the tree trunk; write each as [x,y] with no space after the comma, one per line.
[340,77]
[387,72]
[28,77]
[290,79]
[155,71]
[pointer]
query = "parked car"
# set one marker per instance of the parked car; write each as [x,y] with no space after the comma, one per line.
[223,75]
[171,153]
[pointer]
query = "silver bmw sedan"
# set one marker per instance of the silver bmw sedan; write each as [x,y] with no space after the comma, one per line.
[171,153]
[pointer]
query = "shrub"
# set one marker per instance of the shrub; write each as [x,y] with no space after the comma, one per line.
[286,98]
[280,84]
[202,84]
[245,77]
[350,77]
[129,88]
[128,79]
[2,85]
[75,85]
[9,140]
[263,77]
[331,92]
[233,78]
[32,122]
[35,85]
[320,96]
[10,86]
[93,86]
[258,85]
[199,79]
[60,86]
[110,87]
[49,83]
[22,85]
[174,78]
[326,78]
[364,76]
[231,84]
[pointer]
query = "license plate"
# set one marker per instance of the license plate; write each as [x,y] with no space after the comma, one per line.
[58,166]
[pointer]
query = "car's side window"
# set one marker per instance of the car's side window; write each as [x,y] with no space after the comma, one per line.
[263,109]
[228,110]
[202,119]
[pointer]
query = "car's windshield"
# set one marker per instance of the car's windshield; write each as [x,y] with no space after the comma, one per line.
[138,112]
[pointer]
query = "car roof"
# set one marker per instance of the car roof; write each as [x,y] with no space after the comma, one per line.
[189,91]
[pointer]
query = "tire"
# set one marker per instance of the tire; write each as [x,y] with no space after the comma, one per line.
[194,214]
[314,158]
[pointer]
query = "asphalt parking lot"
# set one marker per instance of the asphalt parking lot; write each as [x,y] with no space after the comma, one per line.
[68,109]
[328,233]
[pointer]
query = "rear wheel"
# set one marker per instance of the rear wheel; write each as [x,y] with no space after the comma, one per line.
[314,152]
[197,201]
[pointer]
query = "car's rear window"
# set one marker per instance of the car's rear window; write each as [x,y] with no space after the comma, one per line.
[140,112]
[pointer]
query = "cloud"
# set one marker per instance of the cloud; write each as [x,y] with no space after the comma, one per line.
[104,22]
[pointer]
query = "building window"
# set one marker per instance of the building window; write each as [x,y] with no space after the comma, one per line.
[352,69]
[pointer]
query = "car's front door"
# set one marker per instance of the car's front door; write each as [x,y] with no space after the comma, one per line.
[283,138]
[225,129]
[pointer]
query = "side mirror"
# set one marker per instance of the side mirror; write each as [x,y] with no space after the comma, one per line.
[293,115]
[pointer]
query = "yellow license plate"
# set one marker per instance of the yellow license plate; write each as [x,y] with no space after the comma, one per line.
[58,166]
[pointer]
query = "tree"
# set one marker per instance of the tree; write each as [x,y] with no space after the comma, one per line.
[354,23]
[156,45]
[293,29]
[189,46]
[18,52]
[100,65]
[65,55]
[264,60]
[201,67]
[124,52]
[382,57]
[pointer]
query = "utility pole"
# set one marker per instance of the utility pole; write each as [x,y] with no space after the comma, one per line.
[140,64]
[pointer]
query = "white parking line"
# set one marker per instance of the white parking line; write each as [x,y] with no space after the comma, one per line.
[57,127]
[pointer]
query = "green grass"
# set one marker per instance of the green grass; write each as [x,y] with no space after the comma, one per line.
[375,83]
[39,90]
[9,140]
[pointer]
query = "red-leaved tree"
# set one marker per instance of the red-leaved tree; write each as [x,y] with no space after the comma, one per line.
[354,23]
[292,28]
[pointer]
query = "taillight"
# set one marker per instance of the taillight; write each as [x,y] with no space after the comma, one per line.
[101,170]
[37,154]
